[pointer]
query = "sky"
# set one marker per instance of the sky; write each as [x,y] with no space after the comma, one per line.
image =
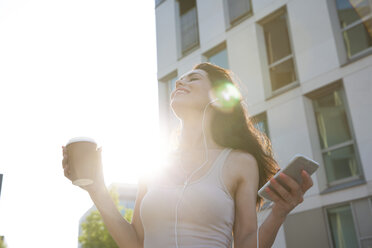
[67,69]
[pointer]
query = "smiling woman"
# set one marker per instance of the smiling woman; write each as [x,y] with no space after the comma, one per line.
[208,189]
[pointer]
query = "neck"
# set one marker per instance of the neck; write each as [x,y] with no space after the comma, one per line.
[192,138]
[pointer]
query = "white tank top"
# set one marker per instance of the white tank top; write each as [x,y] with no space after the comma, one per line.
[205,214]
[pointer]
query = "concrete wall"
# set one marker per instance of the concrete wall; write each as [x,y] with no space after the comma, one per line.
[312,232]
[166,37]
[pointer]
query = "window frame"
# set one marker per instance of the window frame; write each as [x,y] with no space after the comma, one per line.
[344,182]
[269,92]
[351,204]
[329,229]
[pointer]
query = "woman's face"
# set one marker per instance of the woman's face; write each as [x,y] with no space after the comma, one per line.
[192,92]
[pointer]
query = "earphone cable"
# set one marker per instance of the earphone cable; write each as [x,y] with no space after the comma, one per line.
[189,177]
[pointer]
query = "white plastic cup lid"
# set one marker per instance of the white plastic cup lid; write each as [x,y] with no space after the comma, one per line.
[79,139]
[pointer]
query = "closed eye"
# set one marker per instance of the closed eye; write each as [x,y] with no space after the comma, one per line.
[193,79]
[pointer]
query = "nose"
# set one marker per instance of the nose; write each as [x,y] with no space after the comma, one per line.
[180,83]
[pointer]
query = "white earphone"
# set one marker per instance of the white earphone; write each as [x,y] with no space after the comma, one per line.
[188,179]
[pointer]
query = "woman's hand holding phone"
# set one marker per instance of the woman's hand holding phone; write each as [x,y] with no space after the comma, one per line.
[285,200]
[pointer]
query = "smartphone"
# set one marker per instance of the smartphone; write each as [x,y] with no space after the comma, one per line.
[293,169]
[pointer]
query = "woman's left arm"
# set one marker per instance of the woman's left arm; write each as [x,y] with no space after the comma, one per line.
[245,226]
[284,202]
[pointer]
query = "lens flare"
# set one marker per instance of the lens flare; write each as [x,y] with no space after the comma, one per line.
[227,95]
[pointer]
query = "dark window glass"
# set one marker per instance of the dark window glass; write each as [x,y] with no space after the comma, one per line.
[356,23]
[336,140]
[357,38]
[342,227]
[282,74]
[349,13]
[277,39]
[330,113]
[186,5]
[220,59]
[340,163]
[238,9]
[189,25]
[278,50]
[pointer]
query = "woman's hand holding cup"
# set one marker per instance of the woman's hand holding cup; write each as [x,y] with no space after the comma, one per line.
[82,164]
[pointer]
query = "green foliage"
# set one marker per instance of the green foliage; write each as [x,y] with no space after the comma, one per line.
[2,244]
[94,231]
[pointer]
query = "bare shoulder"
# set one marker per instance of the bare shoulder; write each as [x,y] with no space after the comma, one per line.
[243,164]
[241,167]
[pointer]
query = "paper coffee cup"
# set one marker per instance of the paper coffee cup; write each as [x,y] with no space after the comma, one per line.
[83,160]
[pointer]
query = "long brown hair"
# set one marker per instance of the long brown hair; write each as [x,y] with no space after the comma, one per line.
[236,130]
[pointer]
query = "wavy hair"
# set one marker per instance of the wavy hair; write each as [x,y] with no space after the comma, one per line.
[235,129]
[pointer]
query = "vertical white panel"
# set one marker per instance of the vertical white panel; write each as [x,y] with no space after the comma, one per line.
[166,36]
[358,88]
[312,38]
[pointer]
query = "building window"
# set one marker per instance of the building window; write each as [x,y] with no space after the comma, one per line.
[238,9]
[350,224]
[279,55]
[336,138]
[342,226]
[218,56]
[188,25]
[355,19]
[260,122]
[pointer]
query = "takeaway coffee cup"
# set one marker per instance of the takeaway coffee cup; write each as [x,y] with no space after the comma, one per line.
[83,160]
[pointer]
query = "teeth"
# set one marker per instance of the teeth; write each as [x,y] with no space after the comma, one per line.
[184,91]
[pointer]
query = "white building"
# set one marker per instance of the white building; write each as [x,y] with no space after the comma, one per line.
[307,69]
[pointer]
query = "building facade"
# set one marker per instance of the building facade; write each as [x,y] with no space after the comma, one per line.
[306,68]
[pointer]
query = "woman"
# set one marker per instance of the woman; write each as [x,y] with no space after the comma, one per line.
[207,195]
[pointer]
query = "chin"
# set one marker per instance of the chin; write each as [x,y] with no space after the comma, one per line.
[178,108]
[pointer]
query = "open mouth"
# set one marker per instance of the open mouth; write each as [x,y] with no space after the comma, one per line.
[182,91]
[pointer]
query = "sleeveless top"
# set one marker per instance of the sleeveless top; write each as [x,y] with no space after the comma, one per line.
[206,212]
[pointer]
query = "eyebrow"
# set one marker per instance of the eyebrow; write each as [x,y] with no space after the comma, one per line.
[191,74]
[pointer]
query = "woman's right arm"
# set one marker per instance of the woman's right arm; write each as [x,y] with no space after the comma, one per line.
[125,234]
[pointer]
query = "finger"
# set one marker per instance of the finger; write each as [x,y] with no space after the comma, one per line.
[307,182]
[67,173]
[283,193]
[293,186]
[273,195]
[65,161]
